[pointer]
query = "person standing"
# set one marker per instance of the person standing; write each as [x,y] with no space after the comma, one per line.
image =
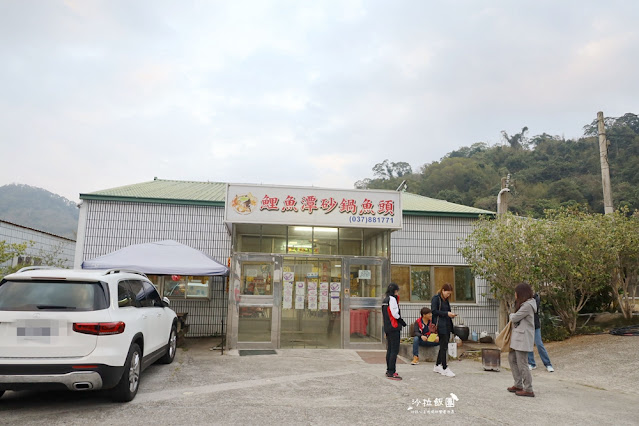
[422,335]
[443,318]
[393,324]
[541,349]
[522,340]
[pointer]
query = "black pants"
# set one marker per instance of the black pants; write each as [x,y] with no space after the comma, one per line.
[443,350]
[392,340]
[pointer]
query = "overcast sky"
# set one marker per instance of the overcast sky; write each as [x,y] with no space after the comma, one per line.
[100,94]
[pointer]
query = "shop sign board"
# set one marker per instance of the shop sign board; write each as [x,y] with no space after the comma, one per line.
[289,205]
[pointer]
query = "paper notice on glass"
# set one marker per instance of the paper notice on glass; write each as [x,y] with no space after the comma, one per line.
[300,293]
[336,286]
[312,300]
[287,295]
[299,301]
[334,301]
[312,285]
[288,277]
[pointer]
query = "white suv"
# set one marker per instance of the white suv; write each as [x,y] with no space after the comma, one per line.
[82,330]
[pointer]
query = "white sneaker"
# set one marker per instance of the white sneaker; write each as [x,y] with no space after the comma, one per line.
[448,373]
[531,367]
[438,369]
[550,369]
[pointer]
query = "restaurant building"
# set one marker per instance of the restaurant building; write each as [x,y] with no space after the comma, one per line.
[308,266]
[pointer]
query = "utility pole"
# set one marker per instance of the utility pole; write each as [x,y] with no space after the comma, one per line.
[605,168]
[502,207]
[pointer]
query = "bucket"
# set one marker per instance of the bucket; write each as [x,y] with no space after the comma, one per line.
[474,336]
[491,359]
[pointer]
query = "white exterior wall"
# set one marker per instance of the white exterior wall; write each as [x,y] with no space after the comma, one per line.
[43,243]
[433,241]
[107,226]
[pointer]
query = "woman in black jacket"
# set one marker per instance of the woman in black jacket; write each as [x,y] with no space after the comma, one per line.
[443,317]
[393,324]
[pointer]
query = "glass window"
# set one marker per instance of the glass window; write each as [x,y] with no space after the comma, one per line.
[325,240]
[350,242]
[445,275]
[464,284]
[420,284]
[300,239]
[197,286]
[43,295]
[248,237]
[257,278]
[273,239]
[366,280]
[151,295]
[400,275]
[375,242]
[175,286]
[185,286]
[254,324]
[138,290]
[125,296]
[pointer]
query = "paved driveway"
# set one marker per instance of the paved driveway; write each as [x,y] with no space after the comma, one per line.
[596,382]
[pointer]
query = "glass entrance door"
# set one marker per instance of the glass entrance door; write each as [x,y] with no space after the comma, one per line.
[256,296]
[311,308]
[364,279]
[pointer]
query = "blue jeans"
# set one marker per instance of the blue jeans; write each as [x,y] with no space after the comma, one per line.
[417,342]
[543,354]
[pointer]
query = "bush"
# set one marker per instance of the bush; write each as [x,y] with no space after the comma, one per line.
[552,330]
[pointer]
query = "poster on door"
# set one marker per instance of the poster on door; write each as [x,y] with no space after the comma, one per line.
[312,295]
[334,301]
[287,295]
[299,294]
[323,296]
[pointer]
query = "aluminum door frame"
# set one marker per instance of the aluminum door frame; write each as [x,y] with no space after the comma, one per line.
[237,300]
[361,302]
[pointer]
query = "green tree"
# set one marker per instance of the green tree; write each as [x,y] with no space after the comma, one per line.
[576,261]
[625,245]
[9,251]
[498,250]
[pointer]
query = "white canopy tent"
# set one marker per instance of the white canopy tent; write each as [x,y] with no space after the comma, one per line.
[161,258]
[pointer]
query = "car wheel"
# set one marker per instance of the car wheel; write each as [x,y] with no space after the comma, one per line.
[169,356]
[127,387]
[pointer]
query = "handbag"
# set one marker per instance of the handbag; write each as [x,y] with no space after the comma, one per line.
[503,338]
[432,328]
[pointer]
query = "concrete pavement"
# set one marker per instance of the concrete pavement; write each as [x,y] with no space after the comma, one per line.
[592,385]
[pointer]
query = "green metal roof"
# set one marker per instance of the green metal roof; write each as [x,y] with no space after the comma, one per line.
[165,192]
[418,205]
[212,194]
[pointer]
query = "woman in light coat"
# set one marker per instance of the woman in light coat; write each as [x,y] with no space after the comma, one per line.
[522,340]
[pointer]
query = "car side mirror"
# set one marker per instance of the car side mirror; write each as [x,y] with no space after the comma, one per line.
[166,301]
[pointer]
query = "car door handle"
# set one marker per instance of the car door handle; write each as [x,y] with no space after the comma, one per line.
[143,316]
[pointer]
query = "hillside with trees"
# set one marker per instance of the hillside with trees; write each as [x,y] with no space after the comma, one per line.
[547,171]
[39,209]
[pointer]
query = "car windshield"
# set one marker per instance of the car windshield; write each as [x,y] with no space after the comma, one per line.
[51,295]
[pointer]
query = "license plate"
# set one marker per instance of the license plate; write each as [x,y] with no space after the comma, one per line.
[36,331]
